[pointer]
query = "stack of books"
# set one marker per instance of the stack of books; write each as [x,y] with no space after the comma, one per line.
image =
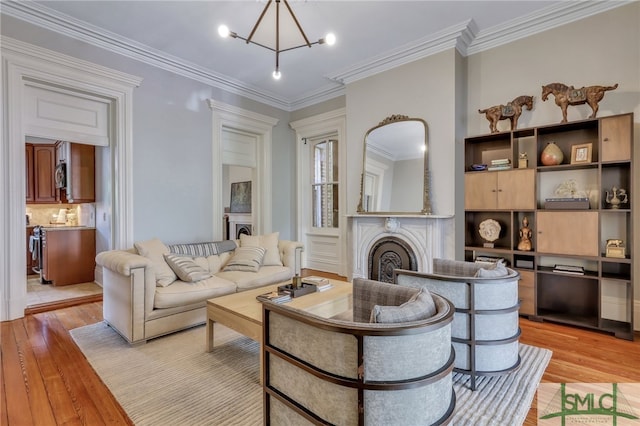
[321,283]
[569,269]
[500,164]
[489,260]
[275,297]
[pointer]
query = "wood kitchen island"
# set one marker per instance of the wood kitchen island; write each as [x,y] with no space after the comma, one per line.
[68,254]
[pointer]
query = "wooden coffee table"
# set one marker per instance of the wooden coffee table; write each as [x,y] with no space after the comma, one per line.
[242,312]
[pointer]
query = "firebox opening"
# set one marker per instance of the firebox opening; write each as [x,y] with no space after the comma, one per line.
[387,254]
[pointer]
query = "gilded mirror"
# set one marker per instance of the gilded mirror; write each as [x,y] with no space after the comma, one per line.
[395,178]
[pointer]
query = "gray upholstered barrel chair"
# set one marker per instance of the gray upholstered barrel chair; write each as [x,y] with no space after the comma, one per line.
[485,328]
[353,372]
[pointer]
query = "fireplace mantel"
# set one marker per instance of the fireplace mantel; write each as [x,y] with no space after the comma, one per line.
[429,236]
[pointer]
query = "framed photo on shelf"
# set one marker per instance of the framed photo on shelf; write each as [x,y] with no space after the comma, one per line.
[581,153]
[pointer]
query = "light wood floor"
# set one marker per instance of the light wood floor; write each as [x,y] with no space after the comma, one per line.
[45,379]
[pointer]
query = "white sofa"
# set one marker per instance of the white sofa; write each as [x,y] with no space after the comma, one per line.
[143,297]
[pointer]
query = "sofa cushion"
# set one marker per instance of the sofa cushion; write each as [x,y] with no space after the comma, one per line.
[188,268]
[266,275]
[181,293]
[268,242]
[248,259]
[496,270]
[154,250]
[419,307]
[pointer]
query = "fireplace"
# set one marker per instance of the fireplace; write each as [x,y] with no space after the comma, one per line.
[238,224]
[387,254]
[242,229]
[378,243]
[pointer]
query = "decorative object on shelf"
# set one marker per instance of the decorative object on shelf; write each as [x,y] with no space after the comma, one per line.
[569,95]
[581,153]
[617,197]
[525,236]
[615,248]
[569,189]
[551,155]
[478,167]
[500,164]
[512,110]
[285,27]
[571,203]
[489,230]
[523,161]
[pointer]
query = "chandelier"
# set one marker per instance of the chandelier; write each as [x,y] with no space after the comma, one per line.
[286,36]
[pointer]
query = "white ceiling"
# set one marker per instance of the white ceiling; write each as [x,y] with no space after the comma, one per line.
[181,36]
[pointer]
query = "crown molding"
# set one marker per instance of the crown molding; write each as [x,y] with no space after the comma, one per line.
[13,47]
[540,21]
[42,16]
[464,37]
[457,36]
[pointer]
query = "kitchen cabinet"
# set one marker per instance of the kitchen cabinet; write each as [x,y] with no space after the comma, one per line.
[40,163]
[28,156]
[80,167]
[68,255]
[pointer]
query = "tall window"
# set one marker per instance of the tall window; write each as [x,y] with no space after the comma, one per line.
[324,186]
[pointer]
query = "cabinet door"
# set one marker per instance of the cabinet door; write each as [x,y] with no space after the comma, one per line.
[526,292]
[615,133]
[573,233]
[516,190]
[82,187]
[480,191]
[44,169]
[28,154]
[69,256]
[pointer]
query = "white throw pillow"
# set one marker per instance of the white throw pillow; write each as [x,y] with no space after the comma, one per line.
[187,267]
[268,242]
[247,259]
[154,250]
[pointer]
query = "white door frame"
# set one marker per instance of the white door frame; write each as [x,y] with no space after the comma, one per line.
[22,61]
[226,116]
[309,128]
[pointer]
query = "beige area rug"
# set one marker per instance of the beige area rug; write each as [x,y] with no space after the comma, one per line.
[173,381]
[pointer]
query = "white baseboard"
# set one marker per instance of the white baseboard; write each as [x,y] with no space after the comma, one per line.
[98,275]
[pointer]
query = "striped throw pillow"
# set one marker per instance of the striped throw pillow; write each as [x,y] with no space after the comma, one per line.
[186,268]
[246,259]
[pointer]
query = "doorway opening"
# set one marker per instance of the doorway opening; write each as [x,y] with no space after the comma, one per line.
[61,234]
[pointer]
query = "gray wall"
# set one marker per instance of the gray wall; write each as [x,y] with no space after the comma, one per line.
[172,176]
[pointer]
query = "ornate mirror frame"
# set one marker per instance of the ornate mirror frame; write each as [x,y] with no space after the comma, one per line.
[426,201]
